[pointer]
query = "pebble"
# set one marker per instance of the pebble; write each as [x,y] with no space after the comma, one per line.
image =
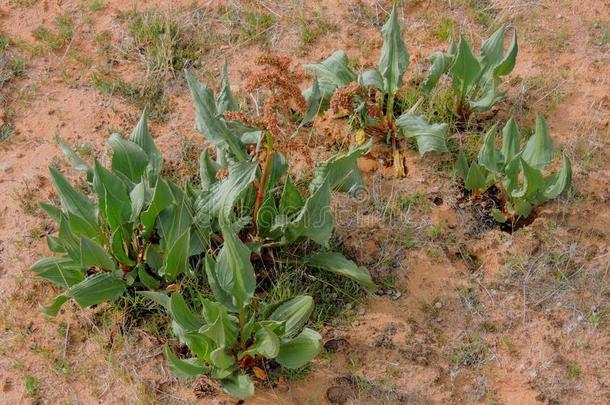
[438,305]
[361,311]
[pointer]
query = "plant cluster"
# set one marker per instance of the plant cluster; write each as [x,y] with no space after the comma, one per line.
[143,233]
[130,229]
[516,171]
[474,81]
[369,98]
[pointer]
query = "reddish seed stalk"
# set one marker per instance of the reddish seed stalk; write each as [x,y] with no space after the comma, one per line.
[262,185]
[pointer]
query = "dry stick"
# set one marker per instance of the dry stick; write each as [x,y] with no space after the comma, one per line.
[63,353]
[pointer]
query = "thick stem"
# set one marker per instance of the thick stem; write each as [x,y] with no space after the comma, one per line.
[262,185]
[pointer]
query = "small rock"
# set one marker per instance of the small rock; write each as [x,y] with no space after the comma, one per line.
[6,168]
[340,394]
[361,311]
[336,345]
[438,305]
[7,385]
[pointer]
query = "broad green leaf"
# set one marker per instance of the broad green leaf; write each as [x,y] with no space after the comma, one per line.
[176,259]
[200,345]
[184,369]
[118,245]
[332,73]
[157,297]
[96,289]
[54,244]
[490,96]
[113,197]
[291,200]
[128,158]
[462,165]
[533,181]
[489,155]
[314,104]
[266,344]
[371,77]
[465,70]
[94,255]
[315,220]
[219,358]
[208,122]
[341,171]
[222,328]
[294,312]
[508,63]
[221,198]
[225,100]
[441,62]
[429,137]
[54,307]
[266,216]
[337,263]
[61,271]
[175,220]
[279,167]
[498,215]
[492,51]
[75,160]
[141,137]
[80,226]
[182,314]
[72,201]
[162,198]
[207,170]
[68,240]
[148,280]
[539,150]
[234,270]
[394,56]
[476,178]
[559,183]
[511,140]
[239,386]
[511,174]
[221,295]
[52,211]
[138,196]
[299,351]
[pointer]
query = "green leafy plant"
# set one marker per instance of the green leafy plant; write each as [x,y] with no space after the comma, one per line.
[250,208]
[237,335]
[140,232]
[247,184]
[369,98]
[516,171]
[474,81]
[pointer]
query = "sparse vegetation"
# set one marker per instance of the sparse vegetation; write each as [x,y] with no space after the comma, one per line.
[472,302]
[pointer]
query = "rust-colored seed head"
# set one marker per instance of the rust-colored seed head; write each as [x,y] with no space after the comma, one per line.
[280,82]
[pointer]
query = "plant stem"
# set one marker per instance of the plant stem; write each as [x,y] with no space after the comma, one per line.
[262,185]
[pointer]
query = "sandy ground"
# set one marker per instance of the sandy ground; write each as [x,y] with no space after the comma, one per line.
[468,315]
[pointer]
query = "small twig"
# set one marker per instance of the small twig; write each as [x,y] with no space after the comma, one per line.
[63,353]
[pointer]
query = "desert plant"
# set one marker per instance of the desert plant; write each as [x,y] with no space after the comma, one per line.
[139,233]
[246,211]
[369,97]
[237,333]
[474,81]
[248,184]
[516,172]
